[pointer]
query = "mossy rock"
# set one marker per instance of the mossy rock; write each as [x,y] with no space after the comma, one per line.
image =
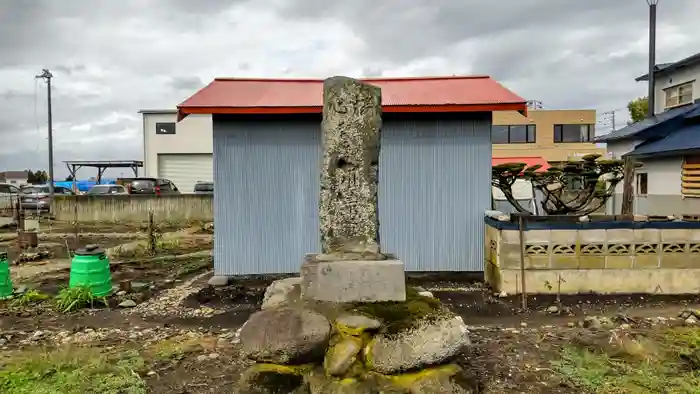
[400,316]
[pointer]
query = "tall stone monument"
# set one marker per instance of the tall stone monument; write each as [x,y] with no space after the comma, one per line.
[351,266]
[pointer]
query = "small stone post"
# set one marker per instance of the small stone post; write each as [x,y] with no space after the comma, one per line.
[351,266]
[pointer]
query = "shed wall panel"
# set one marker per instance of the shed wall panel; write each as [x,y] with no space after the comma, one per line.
[266,176]
[435,185]
[434,190]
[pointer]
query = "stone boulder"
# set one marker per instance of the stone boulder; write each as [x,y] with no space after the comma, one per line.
[285,336]
[282,292]
[431,342]
[342,355]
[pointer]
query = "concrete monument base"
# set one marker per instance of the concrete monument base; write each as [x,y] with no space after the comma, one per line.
[353,280]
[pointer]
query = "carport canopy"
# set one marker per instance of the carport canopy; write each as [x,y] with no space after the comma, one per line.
[101,166]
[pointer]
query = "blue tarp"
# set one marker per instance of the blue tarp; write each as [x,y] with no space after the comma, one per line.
[83,186]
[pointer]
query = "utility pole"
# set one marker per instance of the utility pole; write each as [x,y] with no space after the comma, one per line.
[610,115]
[46,75]
[652,54]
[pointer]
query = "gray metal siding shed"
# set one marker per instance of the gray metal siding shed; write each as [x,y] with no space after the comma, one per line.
[435,182]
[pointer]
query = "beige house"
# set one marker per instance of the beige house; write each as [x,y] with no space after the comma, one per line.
[554,135]
[179,151]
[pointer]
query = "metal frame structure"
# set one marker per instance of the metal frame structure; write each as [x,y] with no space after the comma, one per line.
[101,166]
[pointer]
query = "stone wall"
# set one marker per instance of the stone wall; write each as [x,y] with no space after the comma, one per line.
[603,257]
[133,208]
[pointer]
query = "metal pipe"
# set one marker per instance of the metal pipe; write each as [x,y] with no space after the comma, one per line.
[652,57]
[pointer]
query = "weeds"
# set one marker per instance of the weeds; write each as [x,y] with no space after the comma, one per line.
[72,371]
[73,299]
[29,297]
[656,363]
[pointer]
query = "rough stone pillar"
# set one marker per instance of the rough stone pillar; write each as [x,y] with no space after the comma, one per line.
[350,170]
[351,267]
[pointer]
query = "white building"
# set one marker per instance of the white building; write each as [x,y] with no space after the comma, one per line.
[667,144]
[179,151]
[17,178]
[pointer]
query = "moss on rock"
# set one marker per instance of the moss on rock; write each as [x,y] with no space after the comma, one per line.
[400,316]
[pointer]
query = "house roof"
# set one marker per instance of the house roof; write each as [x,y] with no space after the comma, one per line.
[14,174]
[287,96]
[685,139]
[669,67]
[528,160]
[651,125]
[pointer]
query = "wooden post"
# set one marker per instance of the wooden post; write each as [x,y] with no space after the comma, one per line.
[628,190]
[151,234]
[521,224]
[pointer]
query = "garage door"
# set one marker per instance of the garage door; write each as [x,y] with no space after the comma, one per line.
[186,170]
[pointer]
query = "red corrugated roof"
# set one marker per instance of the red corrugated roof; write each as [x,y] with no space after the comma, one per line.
[529,161]
[423,94]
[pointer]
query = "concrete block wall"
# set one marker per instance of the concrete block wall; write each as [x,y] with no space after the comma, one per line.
[133,208]
[591,258]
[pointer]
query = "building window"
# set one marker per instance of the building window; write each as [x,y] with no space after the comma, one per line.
[679,95]
[690,176]
[574,133]
[642,182]
[513,134]
[165,128]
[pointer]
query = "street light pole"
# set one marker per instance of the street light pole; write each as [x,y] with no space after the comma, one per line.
[46,75]
[652,55]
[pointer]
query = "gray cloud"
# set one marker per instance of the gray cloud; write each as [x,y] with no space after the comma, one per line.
[111,58]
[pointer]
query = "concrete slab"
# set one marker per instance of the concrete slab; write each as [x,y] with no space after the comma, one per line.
[218,281]
[354,281]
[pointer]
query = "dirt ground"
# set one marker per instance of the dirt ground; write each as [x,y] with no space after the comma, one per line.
[179,336]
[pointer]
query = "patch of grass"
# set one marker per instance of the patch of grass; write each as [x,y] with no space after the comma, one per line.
[177,348]
[72,371]
[193,266]
[663,362]
[73,299]
[29,297]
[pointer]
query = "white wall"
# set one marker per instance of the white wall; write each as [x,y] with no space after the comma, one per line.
[618,148]
[684,74]
[663,176]
[192,135]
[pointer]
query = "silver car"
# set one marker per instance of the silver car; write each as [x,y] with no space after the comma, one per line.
[38,198]
[103,190]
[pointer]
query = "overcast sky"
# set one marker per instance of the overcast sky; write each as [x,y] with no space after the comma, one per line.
[111,58]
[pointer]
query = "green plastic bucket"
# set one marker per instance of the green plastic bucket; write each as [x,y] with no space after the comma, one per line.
[90,268]
[5,280]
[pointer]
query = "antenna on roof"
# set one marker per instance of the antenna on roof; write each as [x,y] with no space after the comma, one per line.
[534,104]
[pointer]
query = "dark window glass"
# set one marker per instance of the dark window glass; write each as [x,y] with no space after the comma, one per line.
[531,133]
[204,187]
[99,190]
[518,134]
[642,180]
[143,185]
[165,128]
[499,134]
[513,134]
[574,133]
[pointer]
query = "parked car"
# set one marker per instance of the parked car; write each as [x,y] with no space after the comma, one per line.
[37,197]
[107,190]
[9,194]
[155,186]
[204,187]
